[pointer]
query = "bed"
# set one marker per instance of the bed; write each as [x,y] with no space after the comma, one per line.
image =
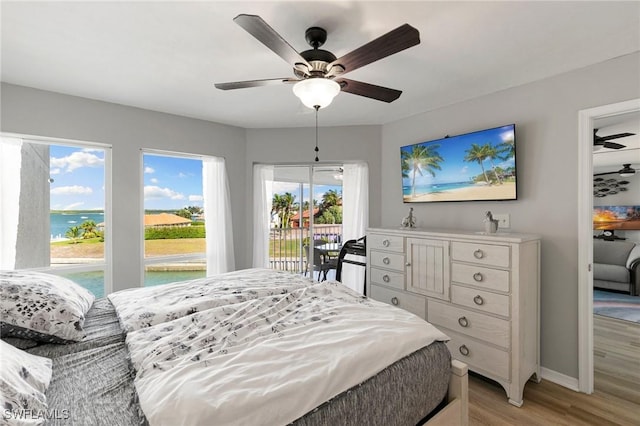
[175,355]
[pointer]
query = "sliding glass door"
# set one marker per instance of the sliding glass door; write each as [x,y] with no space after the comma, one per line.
[305,213]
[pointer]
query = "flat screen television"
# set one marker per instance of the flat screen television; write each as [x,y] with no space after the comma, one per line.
[616,218]
[477,166]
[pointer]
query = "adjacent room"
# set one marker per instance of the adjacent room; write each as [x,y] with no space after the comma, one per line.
[313,213]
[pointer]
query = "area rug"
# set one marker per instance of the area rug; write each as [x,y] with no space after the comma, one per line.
[616,305]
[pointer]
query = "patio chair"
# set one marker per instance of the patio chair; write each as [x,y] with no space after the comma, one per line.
[321,263]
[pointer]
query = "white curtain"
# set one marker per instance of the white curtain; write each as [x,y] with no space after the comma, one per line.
[217,216]
[355,218]
[262,197]
[10,164]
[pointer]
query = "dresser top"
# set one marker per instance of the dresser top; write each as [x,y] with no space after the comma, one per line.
[511,237]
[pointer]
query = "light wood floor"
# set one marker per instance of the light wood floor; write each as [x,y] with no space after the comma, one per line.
[547,404]
[616,350]
[616,400]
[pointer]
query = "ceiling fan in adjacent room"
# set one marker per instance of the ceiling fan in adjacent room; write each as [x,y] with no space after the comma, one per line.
[317,72]
[625,171]
[603,141]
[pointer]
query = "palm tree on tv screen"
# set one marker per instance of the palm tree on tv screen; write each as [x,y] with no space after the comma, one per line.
[492,153]
[478,154]
[421,159]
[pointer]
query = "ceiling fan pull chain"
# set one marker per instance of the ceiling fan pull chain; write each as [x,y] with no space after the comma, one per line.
[317,107]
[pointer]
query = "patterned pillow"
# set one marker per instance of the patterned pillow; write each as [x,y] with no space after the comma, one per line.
[42,307]
[24,378]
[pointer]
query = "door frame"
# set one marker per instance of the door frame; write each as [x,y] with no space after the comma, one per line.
[586,120]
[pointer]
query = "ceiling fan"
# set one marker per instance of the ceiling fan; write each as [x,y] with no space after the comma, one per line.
[318,73]
[603,141]
[625,171]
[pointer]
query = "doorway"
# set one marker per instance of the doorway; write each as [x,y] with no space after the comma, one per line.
[586,121]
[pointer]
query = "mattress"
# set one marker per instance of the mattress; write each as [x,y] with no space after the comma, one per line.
[95,387]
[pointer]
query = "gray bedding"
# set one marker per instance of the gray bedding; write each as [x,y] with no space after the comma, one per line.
[101,326]
[92,383]
[94,387]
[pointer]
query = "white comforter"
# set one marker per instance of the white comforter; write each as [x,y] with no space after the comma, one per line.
[268,360]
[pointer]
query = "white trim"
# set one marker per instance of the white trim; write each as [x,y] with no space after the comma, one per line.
[560,379]
[585,234]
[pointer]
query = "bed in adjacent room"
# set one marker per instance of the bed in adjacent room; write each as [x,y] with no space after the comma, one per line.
[248,347]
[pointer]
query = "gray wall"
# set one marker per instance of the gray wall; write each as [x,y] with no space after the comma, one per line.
[40,113]
[337,144]
[546,118]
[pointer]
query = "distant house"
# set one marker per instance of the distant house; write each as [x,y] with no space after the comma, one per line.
[295,219]
[164,219]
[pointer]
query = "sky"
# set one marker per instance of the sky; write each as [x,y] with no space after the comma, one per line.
[78,178]
[294,188]
[170,183]
[453,151]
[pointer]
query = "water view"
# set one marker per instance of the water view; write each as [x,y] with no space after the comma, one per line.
[94,281]
[62,221]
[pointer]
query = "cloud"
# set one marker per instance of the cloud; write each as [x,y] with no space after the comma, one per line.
[72,190]
[76,160]
[182,175]
[148,170]
[55,171]
[153,180]
[155,192]
[196,198]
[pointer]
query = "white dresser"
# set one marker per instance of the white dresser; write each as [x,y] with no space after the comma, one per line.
[482,290]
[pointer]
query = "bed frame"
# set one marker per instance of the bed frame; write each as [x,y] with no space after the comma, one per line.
[456,412]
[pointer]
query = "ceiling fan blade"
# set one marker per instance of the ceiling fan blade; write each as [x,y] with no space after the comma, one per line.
[258,28]
[613,145]
[394,41]
[368,90]
[616,136]
[254,83]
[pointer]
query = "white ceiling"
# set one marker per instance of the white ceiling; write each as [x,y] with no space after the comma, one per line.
[165,56]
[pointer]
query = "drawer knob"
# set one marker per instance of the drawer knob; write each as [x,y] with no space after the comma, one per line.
[464,350]
[386,260]
[407,264]
[386,243]
[394,301]
[478,300]
[463,321]
[478,254]
[386,278]
[478,277]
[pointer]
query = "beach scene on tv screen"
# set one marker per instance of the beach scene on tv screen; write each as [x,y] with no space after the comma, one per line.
[470,167]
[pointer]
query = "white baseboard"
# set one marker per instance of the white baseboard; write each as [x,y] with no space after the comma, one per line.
[560,379]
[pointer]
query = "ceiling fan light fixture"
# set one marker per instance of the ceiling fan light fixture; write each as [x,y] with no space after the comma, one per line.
[316,92]
[626,171]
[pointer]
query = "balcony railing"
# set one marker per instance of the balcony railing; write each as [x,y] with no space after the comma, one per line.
[286,245]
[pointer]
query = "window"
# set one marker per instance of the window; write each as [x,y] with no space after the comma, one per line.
[174,227]
[55,209]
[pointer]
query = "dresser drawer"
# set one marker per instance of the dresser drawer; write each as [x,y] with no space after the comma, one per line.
[481,300]
[479,356]
[381,259]
[483,254]
[412,303]
[386,242]
[388,278]
[482,327]
[481,277]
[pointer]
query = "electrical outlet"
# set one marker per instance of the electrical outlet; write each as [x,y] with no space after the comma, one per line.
[503,220]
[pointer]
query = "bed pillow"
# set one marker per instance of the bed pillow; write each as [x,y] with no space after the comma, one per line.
[42,307]
[24,378]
